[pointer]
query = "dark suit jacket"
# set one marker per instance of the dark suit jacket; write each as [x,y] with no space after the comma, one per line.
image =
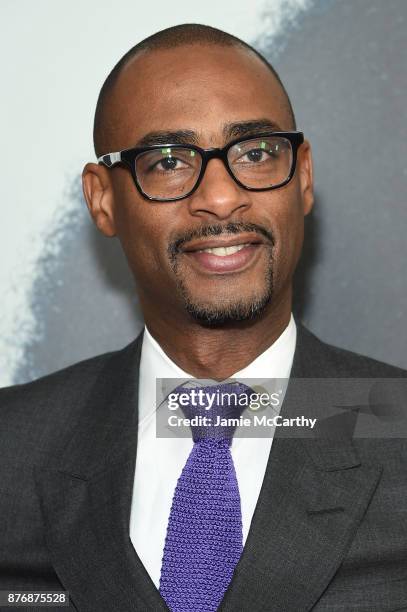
[329,532]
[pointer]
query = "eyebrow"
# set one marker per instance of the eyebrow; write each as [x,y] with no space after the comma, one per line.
[245,128]
[230,130]
[168,137]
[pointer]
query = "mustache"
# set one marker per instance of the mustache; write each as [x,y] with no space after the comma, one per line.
[216,230]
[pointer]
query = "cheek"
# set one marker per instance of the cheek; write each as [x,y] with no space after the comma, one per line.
[286,220]
[142,238]
[292,236]
[139,225]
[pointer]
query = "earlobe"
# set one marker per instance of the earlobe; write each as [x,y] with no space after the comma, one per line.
[98,193]
[306,177]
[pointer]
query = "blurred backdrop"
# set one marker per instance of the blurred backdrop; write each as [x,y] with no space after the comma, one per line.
[66,291]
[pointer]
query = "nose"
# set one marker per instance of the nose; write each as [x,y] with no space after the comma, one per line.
[218,195]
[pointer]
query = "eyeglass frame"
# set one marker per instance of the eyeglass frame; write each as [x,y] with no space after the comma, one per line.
[128,158]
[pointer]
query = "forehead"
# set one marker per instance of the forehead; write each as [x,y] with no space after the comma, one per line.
[195,87]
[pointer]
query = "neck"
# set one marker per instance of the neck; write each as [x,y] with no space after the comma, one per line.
[218,353]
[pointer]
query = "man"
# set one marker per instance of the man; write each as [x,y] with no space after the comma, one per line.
[206,182]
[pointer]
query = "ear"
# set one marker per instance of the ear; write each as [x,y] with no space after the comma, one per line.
[98,192]
[305,169]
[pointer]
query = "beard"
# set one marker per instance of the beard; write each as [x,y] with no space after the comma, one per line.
[221,315]
[225,313]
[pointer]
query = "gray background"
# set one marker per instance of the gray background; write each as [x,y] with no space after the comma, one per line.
[343,64]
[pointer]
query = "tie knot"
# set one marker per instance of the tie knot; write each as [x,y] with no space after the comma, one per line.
[214,411]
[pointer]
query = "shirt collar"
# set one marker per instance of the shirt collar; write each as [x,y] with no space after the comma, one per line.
[274,362]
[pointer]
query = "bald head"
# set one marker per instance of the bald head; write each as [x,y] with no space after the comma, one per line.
[170,38]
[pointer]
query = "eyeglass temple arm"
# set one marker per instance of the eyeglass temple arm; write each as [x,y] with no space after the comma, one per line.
[109,159]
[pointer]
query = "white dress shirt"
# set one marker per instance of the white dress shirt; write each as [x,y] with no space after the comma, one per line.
[160,460]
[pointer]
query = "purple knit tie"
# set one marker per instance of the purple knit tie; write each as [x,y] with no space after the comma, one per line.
[204,535]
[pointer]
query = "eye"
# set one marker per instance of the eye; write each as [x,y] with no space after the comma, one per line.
[168,164]
[256,155]
[255,152]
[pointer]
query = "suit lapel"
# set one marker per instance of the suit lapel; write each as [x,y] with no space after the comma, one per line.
[304,523]
[313,497]
[86,498]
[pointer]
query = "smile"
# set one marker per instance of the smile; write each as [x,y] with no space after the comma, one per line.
[224,251]
[224,254]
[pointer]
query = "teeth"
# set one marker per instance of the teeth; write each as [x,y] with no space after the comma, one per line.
[223,251]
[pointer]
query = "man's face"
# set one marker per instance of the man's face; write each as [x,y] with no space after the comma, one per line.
[216,93]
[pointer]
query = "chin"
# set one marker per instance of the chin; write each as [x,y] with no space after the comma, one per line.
[221,315]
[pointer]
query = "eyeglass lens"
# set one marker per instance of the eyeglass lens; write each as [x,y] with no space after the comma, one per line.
[172,172]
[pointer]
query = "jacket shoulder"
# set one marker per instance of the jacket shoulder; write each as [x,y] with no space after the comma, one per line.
[51,405]
[329,359]
[75,376]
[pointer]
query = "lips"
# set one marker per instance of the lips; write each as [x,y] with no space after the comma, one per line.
[224,251]
[224,254]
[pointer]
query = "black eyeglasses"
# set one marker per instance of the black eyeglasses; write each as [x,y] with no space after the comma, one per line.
[170,172]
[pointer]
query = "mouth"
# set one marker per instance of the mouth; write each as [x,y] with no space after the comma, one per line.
[224,254]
